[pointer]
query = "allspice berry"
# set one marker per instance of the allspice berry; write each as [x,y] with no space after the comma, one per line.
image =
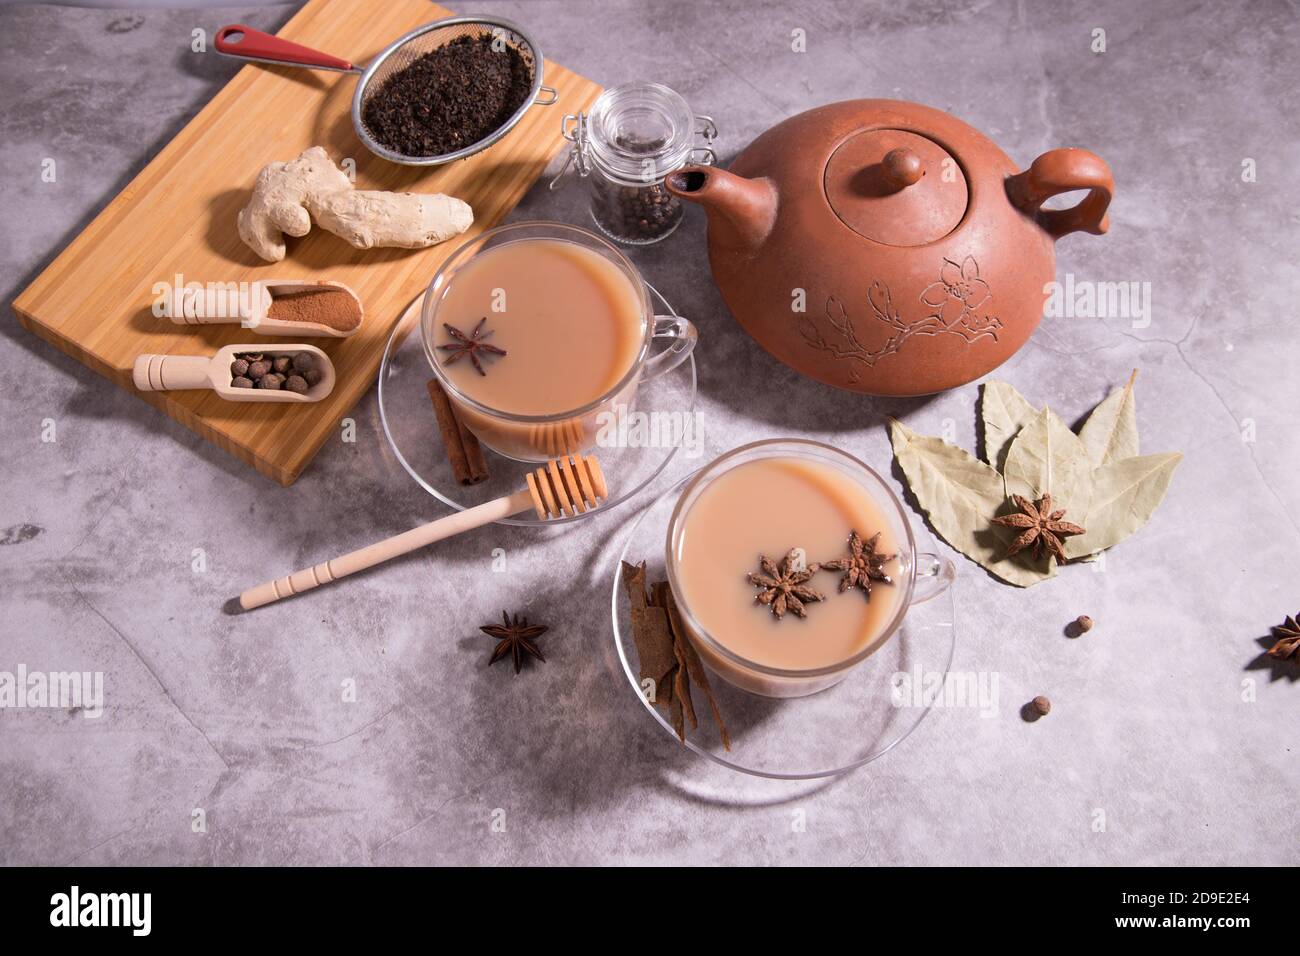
[1084,623]
[290,371]
[1041,705]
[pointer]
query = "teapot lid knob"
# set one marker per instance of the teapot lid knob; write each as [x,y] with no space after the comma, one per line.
[902,167]
[892,186]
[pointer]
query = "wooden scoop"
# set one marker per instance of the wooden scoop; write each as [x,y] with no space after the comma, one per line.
[159,373]
[192,306]
[562,486]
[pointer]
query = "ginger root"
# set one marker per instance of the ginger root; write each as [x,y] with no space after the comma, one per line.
[288,196]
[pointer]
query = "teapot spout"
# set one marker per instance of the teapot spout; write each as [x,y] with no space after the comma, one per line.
[741,211]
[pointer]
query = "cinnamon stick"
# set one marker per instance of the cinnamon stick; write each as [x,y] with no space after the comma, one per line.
[667,656]
[462,448]
[661,597]
[694,666]
[653,639]
[478,469]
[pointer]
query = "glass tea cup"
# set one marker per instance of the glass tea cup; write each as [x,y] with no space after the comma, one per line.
[920,576]
[573,431]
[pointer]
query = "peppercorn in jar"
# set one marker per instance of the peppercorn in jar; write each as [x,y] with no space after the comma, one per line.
[635,135]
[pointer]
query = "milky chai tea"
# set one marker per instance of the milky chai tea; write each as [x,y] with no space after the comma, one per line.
[766,506]
[571,324]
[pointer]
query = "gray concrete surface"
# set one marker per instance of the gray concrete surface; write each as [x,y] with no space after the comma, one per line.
[1167,725]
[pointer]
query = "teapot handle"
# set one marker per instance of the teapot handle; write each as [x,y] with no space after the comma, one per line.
[1062,171]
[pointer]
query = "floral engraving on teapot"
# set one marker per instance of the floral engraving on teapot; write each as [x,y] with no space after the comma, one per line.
[953,306]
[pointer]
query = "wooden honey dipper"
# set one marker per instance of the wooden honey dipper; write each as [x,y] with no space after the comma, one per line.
[563,486]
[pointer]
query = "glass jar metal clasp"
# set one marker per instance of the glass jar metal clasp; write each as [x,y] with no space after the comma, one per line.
[707,131]
[574,128]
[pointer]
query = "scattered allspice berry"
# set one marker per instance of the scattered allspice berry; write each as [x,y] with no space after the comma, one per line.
[1079,626]
[1041,706]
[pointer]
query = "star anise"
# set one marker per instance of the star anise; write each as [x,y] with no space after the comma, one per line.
[783,588]
[470,345]
[862,565]
[515,637]
[1043,527]
[1288,640]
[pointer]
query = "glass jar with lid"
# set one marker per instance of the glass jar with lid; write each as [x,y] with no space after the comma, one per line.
[634,136]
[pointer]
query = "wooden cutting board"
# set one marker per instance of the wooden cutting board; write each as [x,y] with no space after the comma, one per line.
[178,217]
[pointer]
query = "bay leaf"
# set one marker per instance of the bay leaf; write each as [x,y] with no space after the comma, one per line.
[1004,412]
[1125,494]
[1047,458]
[1111,431]
[960,495]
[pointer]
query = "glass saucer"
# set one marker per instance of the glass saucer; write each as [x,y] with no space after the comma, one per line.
[406,414]
[829,733]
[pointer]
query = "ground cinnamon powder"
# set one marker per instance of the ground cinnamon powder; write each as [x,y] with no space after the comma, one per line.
[332,307]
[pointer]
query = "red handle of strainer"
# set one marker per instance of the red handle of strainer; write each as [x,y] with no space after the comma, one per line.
[244,42]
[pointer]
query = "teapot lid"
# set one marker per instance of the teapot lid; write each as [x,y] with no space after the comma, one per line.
[896,187]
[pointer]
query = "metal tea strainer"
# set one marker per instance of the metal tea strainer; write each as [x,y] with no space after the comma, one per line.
[245,43]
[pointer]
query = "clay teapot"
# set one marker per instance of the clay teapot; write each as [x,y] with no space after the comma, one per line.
[886,247]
